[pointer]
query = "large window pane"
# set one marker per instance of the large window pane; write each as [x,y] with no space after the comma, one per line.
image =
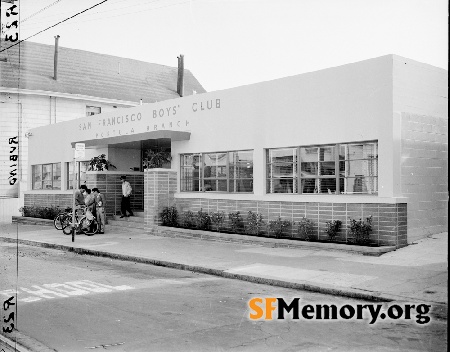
[282,155]
[217,172]
[57,176]
[47,176]
[37,176]
[282,170]
[83,168]
[215,185]
[241,185]
[190,172]
[215,165]
[359,185]
[282,185]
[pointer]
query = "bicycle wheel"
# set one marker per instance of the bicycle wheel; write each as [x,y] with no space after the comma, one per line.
[61,219]
[67,228]
[89,228]
[58,221]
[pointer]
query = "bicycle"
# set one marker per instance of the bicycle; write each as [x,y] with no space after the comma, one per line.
[86,224]
[62,218]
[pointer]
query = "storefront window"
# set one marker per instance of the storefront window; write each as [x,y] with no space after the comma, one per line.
[282,170]
[80,174]
[217,172]
[358,168]
[318,169]
[46,176]
[350,168]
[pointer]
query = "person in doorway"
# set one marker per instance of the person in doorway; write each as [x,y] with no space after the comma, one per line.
[126,193]
[100,206]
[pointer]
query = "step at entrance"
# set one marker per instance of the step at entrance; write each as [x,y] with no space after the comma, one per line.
[135,222]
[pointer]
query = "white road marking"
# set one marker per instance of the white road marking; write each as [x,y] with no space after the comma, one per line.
[86,287]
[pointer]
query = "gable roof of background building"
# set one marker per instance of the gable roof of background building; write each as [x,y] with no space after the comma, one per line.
[90,74]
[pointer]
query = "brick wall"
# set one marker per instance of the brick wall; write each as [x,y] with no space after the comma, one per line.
[389,220]
[46,200]
[424,173]
[160,187]
[110,185]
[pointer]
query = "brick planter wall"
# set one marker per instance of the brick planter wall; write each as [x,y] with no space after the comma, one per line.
[160,187]
[62,200]
[389,220]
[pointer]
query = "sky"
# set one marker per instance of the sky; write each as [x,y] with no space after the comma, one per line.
[230,43]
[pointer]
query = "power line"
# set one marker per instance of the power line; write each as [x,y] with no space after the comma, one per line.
[142,9]
[79,13]
[36,13]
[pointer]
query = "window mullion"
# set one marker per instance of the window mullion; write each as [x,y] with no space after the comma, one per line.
[337,168]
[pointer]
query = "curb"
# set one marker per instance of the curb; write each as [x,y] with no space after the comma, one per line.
[22,343]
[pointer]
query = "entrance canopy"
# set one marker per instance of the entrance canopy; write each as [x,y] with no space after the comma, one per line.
[173,135]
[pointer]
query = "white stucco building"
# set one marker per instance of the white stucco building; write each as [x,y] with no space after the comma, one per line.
[367,138]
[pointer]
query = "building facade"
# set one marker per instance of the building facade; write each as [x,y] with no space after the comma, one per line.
[363,139]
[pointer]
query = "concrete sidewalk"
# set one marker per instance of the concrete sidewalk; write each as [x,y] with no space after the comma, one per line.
[416,273]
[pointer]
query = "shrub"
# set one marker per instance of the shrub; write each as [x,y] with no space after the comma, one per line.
[333,228]
[278,226]
[360,230]
[169,216]
[236,221]
[40,212]
[203,220]
[188,219]
[255,223]
[217,218]
[305,229]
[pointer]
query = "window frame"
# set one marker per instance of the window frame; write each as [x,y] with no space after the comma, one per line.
[201,173]
[298,178]
[69,183]
[51,178]
[91,110]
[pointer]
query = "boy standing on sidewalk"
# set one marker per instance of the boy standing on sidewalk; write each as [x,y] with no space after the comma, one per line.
[101,208]
[126,193]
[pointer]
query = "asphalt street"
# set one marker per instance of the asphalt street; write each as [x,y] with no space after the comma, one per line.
[71,302]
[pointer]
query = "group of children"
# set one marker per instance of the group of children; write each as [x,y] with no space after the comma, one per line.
[94,202]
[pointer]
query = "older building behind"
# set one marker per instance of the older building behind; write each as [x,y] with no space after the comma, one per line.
[86,84]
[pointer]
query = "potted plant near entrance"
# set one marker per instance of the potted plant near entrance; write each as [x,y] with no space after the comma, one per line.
[100,163]
[155,159]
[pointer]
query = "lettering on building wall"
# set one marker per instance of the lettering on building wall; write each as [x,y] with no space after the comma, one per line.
[206,105]
[122,123]
[14,157]
[170,111]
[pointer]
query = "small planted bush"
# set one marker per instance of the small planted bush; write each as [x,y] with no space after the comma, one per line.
[188,220]
[278,227]
[203,220]
[236,222]
[40,212]
[333,227]
[169,216]
[305,229]
[360,230]
[255,223]
[217,219]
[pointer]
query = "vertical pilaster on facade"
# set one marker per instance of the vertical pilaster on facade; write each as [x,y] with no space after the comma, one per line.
[160,186]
